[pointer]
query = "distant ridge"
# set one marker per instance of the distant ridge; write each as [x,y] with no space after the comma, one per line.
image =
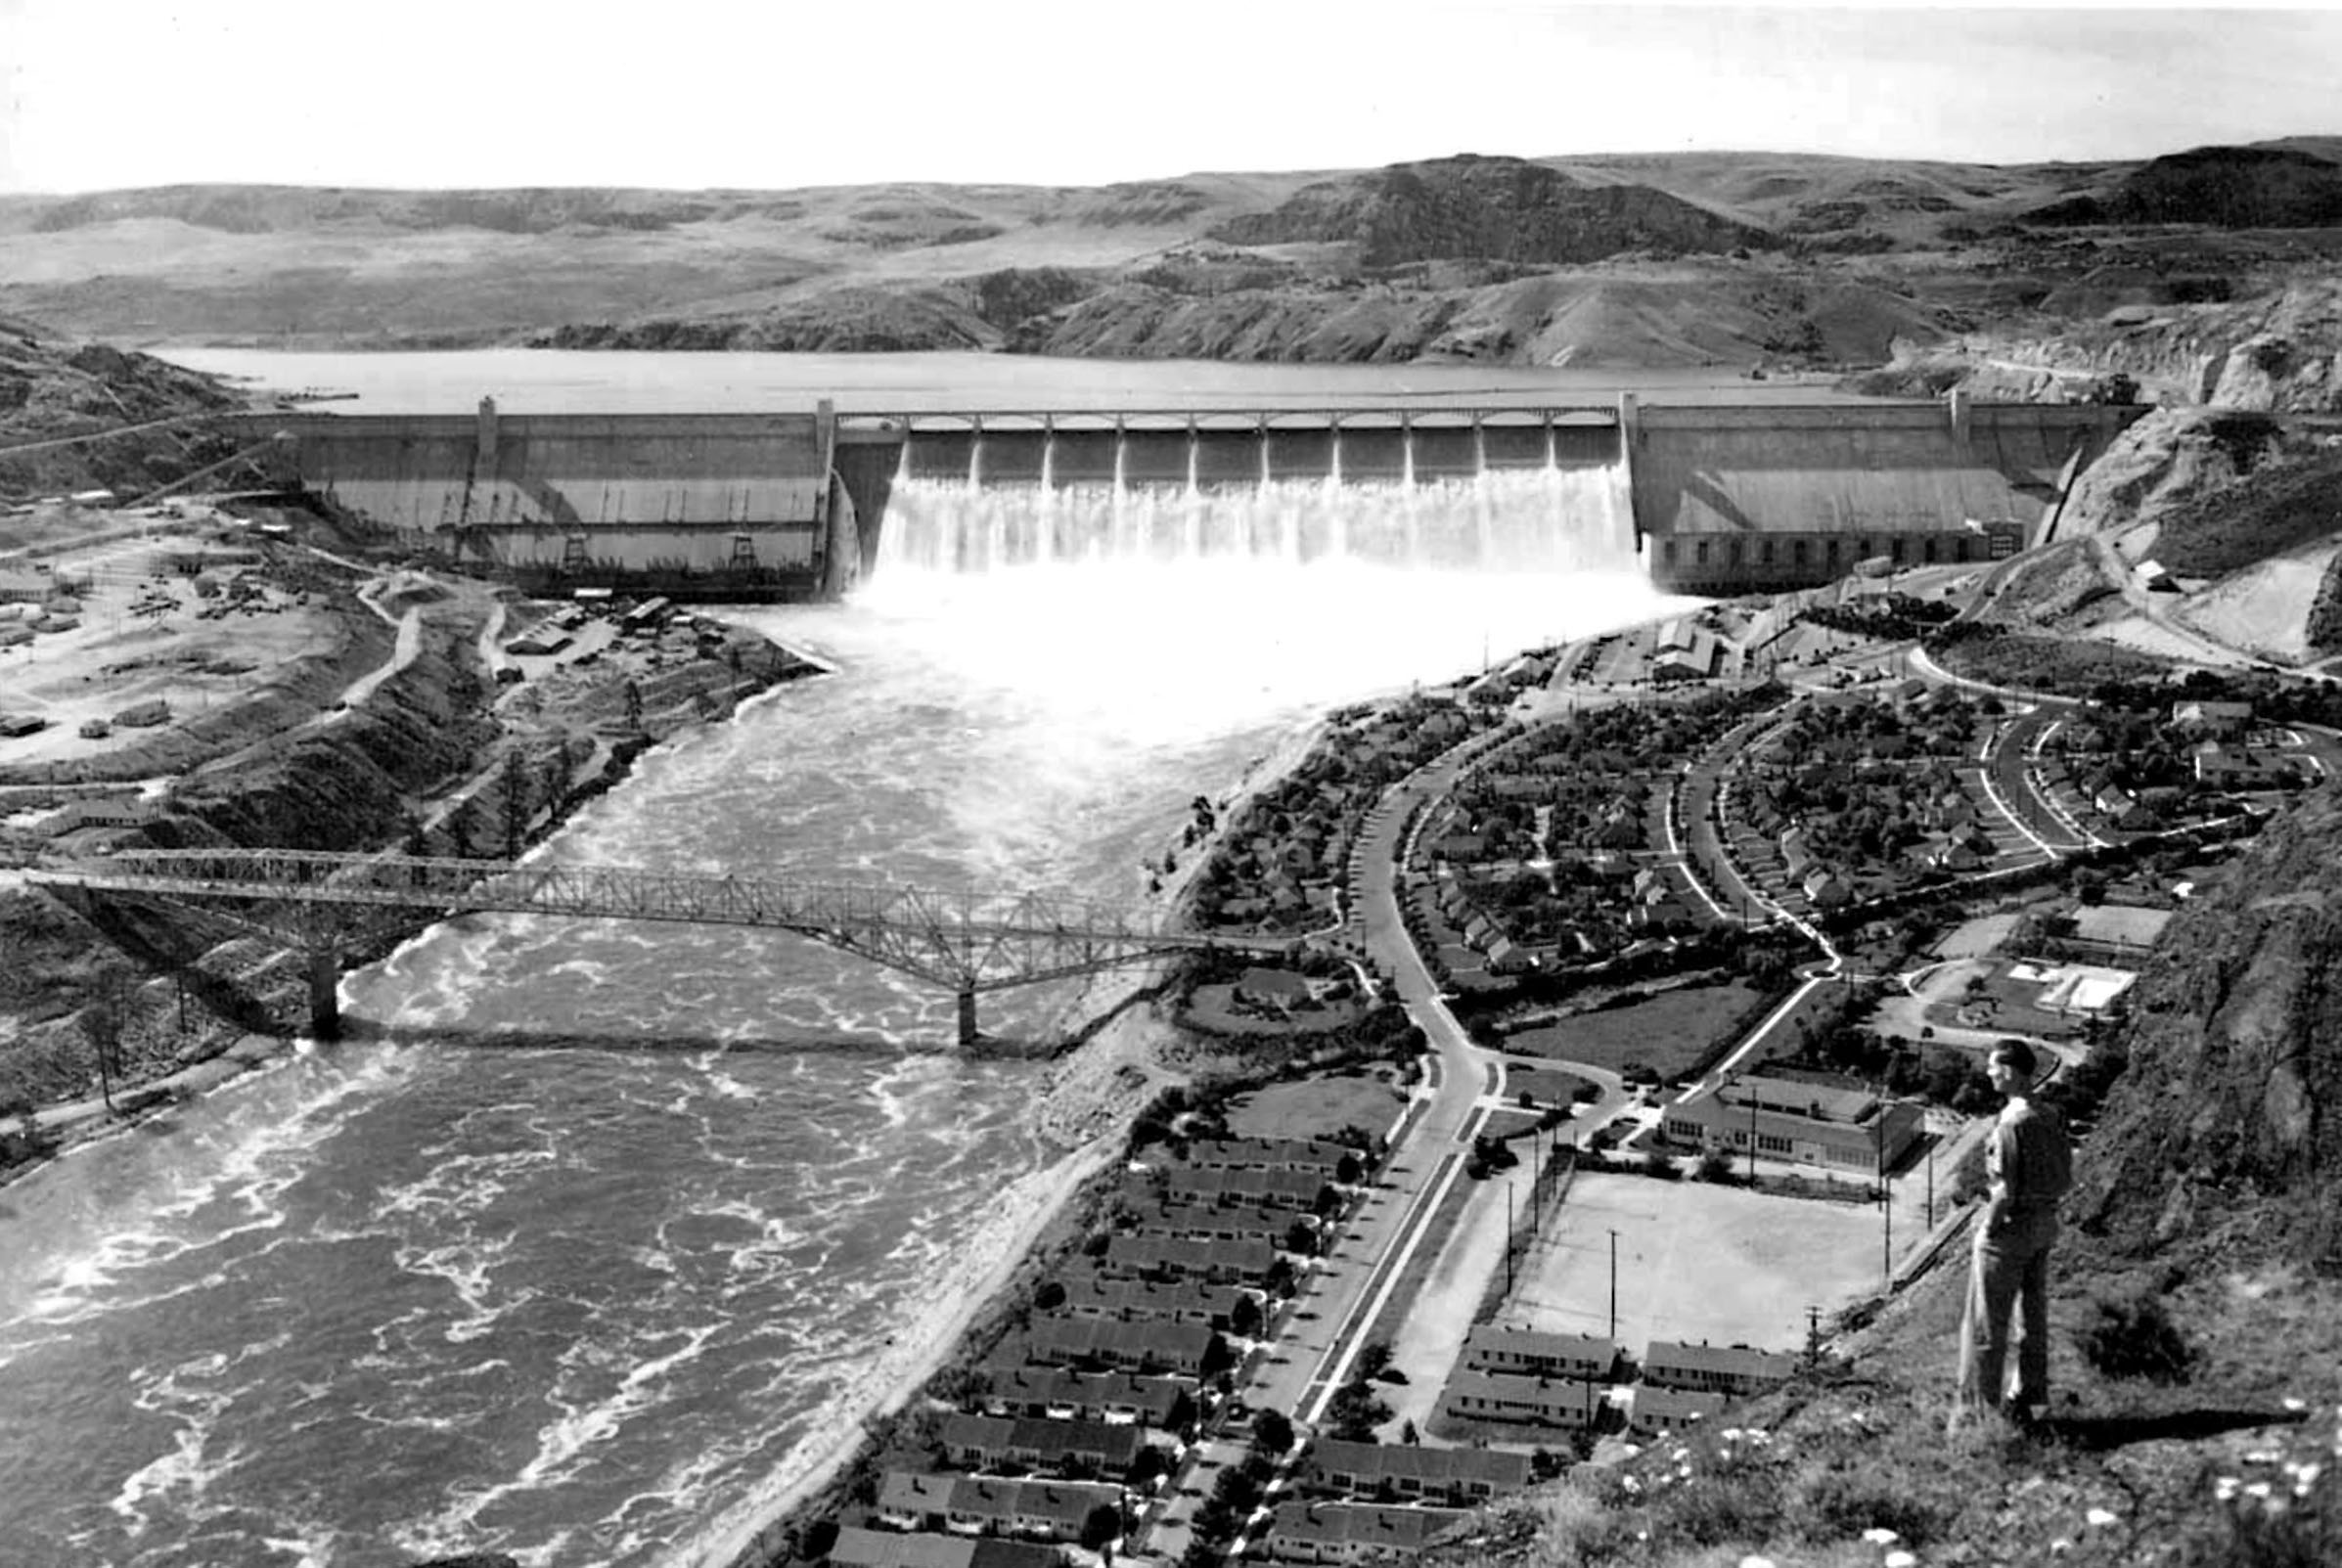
[1492,208]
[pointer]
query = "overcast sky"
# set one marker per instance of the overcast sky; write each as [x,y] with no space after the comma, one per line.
[691,93]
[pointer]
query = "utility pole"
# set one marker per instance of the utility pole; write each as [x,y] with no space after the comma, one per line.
[1752,1137]
[1508,1236]
[1812,1336]
[1614,1287]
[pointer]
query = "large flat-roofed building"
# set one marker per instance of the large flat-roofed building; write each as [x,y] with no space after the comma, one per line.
[1813,1124]
[1733,500]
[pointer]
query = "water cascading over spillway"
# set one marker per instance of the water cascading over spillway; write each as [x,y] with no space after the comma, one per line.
[1420,500]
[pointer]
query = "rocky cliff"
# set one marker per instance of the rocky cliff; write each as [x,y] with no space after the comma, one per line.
[53,391]
[2224,1137]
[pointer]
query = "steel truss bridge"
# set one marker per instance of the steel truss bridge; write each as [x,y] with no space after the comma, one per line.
[967,941]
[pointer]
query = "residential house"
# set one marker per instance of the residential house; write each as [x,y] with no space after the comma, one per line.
[2214,718]
[983,1504]
[1493,1348]
[1561,1403]
[1295,1191]
[1185,1301]
[860,1548]
[1458,1476]
[1350,1532]
[1321,1156]
[914,1499]
[1160,1257]
[1142,1346]
[1733,1369]
[1825,888]
[1669,1410]
[1099,1448]
[1122,1399]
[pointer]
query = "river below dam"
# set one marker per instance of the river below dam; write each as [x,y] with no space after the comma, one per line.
[600,1232]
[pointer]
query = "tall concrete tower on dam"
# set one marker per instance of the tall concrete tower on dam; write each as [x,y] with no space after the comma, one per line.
[1725,497]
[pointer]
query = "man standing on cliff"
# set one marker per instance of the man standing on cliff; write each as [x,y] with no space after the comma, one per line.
[2029,1165]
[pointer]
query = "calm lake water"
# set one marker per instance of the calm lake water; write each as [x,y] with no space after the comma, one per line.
[526,381]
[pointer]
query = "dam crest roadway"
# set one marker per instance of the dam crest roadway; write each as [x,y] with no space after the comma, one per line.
[967,941]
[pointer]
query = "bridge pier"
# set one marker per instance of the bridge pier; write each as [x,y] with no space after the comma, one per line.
[969,1034]
[324,993]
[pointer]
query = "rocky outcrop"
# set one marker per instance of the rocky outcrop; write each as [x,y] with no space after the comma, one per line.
[1504,208]
[2225,1129]
[2226,187]
[52,390]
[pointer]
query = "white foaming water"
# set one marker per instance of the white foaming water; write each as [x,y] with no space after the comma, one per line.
[563,1273]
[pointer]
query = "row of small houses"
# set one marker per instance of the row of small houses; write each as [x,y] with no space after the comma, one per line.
[1570,1383]
[1108,1371]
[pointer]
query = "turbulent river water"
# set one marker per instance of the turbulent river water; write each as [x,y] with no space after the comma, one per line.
[604,1227]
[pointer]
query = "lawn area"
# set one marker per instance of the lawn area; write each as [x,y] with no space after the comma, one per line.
[1319,1107]
[1672,1033]
[2012,1007]
[1695,1262]
[1976,938]
[1214,1008]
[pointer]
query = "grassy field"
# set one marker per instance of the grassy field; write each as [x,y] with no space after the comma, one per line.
[1671,1033]
[1312,1108]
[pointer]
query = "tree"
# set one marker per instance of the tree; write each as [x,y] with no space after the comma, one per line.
[634,705]
[1244,1318]
[101,1025]
[1100,1525]
[463,826]
[1271,1433]
[515,790]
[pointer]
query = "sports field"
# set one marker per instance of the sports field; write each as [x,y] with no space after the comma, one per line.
[1695,1262]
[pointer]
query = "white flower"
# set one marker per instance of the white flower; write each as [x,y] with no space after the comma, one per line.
[2295,1404]
[2259,1489]
[2100,1519]
[1880,1535]
[2263,1457]
[2060,1546]
[1752,1561]
[2225,1488]
[1899,1558]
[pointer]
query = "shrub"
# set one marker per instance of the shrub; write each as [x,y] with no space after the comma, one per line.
[2133,1336]
[1839,1504]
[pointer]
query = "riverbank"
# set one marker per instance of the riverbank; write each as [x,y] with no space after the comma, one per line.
[362,782]
[1127,1052]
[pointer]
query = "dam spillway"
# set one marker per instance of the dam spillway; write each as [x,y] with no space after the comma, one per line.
[1711,498]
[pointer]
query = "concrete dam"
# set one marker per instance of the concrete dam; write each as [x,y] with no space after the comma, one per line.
[1710,498]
